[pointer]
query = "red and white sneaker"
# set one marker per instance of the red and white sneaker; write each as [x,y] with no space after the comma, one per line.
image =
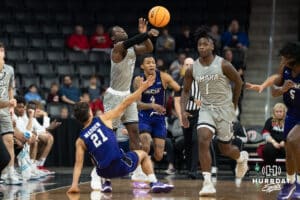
[44,169]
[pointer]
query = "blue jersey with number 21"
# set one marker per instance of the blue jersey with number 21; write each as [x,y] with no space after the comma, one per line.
[101,143]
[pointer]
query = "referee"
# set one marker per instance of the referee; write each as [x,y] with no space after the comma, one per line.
[192,110]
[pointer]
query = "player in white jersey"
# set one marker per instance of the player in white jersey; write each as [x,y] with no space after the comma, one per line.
[6,126]
[214,75]
[123,59]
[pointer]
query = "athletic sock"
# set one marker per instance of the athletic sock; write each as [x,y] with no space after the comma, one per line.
[41,162]
[138,169]
[298,178]
[152,178]
[240,159]
[207,176]
[291,178]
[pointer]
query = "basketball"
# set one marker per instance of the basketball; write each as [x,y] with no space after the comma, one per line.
[159,16]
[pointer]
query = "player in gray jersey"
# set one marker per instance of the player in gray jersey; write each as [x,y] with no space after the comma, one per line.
[6,126]
[123,57]
[214,75]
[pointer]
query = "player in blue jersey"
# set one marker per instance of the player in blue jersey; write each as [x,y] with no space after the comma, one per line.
[99,140]
[288,84]
[151,107]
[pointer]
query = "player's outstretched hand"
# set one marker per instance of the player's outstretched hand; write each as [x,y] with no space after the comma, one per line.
[255,87]
[145,84]
[73,189]
[142,25]
[153,32]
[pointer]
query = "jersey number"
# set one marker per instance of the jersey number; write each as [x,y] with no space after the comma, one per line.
[97,142]
[292,94]
[206,89]
[2,92]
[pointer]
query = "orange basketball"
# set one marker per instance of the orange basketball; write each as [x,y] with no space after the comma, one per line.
[159,16]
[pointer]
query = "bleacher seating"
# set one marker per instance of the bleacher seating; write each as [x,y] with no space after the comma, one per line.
[34,32]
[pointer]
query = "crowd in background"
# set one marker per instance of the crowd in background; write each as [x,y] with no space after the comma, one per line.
[232,44]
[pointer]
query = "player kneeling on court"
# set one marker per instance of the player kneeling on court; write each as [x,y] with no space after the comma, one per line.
[98,138]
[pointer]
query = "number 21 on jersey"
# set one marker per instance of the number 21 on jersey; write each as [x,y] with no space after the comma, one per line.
[96,140]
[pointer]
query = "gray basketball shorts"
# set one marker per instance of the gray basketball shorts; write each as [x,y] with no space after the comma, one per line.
[219,120]
[6,125]
[111,100]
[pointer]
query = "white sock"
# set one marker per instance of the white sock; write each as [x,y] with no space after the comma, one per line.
[41,162]
[152,178]
[10,169]
[240,159]
[138,169]
[291,178]
[207,176]
[298,178]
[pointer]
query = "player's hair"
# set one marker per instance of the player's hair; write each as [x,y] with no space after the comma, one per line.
[20,99]
[111,31]
[203,32]
[147,55]
[82,112]
[2,45]
[291,50]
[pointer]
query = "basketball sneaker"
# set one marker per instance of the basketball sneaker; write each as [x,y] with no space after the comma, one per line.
[296,194]
[106,186]
[208,189]
[96,180]
[47,171]
[12,179]
[140,179]
[170,171]
[160,187]
[242,167]
[286,191]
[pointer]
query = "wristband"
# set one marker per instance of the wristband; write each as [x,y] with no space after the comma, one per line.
[27,134]
[137,39]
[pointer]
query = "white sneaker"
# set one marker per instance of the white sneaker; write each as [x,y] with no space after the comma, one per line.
[96,180]
[12,179]
[208,189]
[242,167]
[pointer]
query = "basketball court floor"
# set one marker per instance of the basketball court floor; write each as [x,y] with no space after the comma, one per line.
[55,187]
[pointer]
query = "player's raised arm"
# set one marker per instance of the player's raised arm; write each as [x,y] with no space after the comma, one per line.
[146,46]
[117,111]
[80,149]
[233,76]
[271,79]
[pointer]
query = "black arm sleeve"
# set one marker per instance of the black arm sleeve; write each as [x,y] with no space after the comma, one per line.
[135,40]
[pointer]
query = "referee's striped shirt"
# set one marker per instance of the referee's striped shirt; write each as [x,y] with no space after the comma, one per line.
[194,95]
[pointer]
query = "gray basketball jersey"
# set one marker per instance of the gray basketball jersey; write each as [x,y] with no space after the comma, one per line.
[214,86]
[6,82]
[122,72]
